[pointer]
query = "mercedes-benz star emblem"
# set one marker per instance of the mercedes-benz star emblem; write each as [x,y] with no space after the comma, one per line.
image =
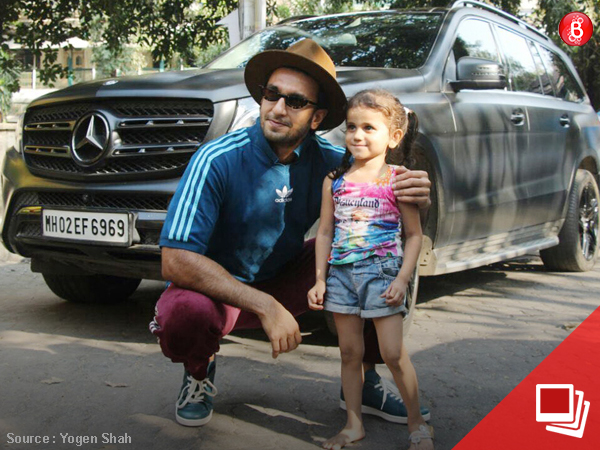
[90,139]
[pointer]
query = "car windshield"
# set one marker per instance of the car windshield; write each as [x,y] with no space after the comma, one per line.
[384,39]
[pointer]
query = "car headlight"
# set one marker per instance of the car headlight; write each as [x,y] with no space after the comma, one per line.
[19,134]
[246,113]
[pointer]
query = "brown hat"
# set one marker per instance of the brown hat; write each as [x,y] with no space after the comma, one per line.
[308,57]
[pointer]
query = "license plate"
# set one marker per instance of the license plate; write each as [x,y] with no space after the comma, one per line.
[112,228]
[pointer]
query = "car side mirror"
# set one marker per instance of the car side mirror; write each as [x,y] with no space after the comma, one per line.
[478,73]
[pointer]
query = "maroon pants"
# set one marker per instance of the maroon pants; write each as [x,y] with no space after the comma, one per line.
[189,325]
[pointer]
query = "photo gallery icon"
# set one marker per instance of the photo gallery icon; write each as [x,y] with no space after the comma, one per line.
[555,403]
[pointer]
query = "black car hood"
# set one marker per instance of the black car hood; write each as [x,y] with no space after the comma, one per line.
[215,85]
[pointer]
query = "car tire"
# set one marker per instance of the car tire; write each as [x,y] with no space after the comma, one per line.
[578,239]
[100,289]
[412,291]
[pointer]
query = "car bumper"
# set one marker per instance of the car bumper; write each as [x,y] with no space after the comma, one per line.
[26,195]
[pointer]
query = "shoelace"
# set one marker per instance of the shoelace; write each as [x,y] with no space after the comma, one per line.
[196,391]
[388,389]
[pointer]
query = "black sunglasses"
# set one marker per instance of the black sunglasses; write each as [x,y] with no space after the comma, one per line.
[294,101]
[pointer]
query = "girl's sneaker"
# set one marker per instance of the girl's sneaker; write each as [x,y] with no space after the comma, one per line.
[194,406]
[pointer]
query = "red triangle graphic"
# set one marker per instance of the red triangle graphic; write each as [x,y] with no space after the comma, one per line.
[512,424]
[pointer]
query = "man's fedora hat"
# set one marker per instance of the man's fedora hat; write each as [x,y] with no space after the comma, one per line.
[308,57]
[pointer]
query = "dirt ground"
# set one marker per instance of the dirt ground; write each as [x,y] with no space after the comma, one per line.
[92,377]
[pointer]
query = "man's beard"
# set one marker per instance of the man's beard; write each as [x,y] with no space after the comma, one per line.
[289,137]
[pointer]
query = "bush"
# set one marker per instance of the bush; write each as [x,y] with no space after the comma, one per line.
[9,81]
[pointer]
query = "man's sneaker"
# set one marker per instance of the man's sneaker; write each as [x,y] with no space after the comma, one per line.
[194,406]
[381,398]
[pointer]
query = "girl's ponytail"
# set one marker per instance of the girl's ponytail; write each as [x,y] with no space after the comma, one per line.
[405,153]
[343,167]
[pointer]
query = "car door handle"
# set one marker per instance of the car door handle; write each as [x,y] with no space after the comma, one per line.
[517,117]
[564,121]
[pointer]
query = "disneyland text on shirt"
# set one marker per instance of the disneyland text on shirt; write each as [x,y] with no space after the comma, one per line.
[358,202]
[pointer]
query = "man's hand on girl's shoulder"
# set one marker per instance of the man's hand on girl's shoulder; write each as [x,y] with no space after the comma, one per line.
[412,186]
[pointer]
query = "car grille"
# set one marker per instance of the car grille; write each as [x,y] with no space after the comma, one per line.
[111,201]
[58,113]
[157,136]
[159,108]
[150,163]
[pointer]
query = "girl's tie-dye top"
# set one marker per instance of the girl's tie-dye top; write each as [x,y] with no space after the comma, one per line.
[367,220]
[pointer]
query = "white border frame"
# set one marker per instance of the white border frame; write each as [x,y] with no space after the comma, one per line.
[555,417]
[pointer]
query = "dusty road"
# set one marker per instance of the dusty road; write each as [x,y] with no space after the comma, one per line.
[74,374]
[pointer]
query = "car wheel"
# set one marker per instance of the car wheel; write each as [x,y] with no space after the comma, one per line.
[102,289]
[578,246]
[411,302]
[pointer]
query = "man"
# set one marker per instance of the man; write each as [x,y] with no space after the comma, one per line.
[233,241]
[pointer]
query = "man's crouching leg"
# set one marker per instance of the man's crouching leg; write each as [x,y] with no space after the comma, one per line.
[188,326]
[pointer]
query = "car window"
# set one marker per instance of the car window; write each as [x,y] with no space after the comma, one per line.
[522,71]
[547,88]
[565,85]
[475,39]
[383,39]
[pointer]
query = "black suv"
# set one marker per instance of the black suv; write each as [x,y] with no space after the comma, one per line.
[508,137]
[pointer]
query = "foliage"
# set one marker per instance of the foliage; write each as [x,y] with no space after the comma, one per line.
[211,52]
[108,63]
[282,10]
[112,62]
[292,8]
[9,82]
[8,65]
[168,27]
[586,58]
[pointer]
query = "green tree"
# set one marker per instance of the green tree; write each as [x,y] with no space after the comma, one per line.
[167,27]
[111,62]
[206,55]
[279,11]
[586,58]
[9,82]
[9,67]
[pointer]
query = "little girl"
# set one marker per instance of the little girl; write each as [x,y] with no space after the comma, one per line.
[362,271]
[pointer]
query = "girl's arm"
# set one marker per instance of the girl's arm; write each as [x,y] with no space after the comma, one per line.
[411,223]
[323,246]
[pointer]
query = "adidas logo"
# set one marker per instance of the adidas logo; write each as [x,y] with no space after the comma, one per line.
[284,195]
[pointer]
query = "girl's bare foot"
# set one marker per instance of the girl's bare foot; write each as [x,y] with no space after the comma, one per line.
[421,438]
[344,437]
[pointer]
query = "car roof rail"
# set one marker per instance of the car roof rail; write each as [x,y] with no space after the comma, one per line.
[485,6]
[294,18]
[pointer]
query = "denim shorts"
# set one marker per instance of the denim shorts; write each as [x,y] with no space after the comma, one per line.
[355,288]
